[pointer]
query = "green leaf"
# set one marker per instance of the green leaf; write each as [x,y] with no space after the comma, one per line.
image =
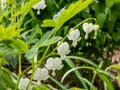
[40,87]
[115,66]
[19,45]
[107,81]
[51,6]
[72,10]
[84,79]
[58,83]
[110,3]
[12,59]
[31,53]
[83,59]
[30,38]
[48,23]
[45,36]
[65,14]
[101,19]
[77,73]
[50,41]
[25,8]
[119,77]
[74,88]
[5,79]
[8,33]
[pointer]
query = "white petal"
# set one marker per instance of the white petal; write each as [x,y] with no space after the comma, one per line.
[96,27]
[37,74]
[50,63]
[63,49]
[3,1]
[39,5]
[44,74]
[58,63]
[23,83]
[85,26]
[91,26]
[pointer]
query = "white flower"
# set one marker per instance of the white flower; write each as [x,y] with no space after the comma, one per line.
[95,27]
[54,64]
[74,36]
[23,84]
[87,27]
[3,5]
[39,5]
[63,49]
[3,1]
[41,74]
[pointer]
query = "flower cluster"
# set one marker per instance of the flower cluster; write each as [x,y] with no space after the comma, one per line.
[89,27]
[63,49]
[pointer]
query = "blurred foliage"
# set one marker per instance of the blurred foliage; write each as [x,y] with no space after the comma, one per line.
[24,32]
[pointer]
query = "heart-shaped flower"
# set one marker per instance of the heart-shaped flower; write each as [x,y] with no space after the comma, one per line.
[87,28]
[24,83]
[74,35]
[54,64]
[39,5]
[63,49]
[41,74]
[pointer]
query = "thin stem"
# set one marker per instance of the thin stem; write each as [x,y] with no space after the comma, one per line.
[41,60]
[85,21]
[20,68]
[94,76]
[32,14]
[71,30]
[33,71]
[20,71]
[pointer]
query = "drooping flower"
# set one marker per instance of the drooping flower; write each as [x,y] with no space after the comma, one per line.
[39,5]
[24,83]
[41,74]
[54,64]
[87,27]
[3,4]
[63,49]
[3,1]
[74,36]
[95,28]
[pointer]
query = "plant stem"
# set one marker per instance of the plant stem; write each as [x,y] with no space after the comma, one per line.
[20,71]
[85,21]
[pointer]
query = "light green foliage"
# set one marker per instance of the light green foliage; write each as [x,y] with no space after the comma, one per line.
[41,87]
[110,3]
[19,45]
[66,14]
[8,33]
[27,40]
[25,9]
[6,81]
[31,53]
